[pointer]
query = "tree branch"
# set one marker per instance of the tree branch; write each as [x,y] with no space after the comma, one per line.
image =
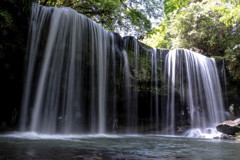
[94,12]
[131,9]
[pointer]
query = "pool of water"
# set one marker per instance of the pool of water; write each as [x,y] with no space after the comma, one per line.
[91,147]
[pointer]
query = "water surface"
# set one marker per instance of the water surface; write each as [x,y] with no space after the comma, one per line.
[35,146]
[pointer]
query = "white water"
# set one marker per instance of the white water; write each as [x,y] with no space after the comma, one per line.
[202,133]
[35,135]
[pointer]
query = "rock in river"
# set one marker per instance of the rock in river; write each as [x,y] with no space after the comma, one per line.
[229,127]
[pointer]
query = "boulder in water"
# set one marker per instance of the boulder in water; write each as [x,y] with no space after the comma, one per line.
[229,127]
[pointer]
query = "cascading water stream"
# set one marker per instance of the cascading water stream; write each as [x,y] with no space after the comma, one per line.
[193,79]
[132,86]
[83,79]
[154,86]
[61,79]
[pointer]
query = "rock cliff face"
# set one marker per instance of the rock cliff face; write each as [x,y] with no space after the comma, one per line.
[229,127]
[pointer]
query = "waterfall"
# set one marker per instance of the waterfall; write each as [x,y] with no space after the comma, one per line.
[81,78]
[192,79]
[60,75]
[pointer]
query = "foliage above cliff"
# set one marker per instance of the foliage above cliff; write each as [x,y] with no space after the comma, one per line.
[13,24]
[127,16]
[211,27]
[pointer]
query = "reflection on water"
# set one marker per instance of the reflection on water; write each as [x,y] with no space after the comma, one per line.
[34,146]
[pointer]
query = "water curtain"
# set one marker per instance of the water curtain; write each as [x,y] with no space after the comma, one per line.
[81,78]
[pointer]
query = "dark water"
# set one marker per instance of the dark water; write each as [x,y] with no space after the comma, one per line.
[94,147]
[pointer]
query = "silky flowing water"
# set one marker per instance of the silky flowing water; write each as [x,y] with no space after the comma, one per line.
[81,78]
[35,146]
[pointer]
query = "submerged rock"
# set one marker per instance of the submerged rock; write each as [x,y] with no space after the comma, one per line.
[225,136]
[229,127]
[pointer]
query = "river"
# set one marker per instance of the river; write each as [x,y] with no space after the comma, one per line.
[36,146]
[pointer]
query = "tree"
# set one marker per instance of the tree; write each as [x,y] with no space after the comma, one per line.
[157,36]
[211,27]
[173,5]
[208,26]
[125,16]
